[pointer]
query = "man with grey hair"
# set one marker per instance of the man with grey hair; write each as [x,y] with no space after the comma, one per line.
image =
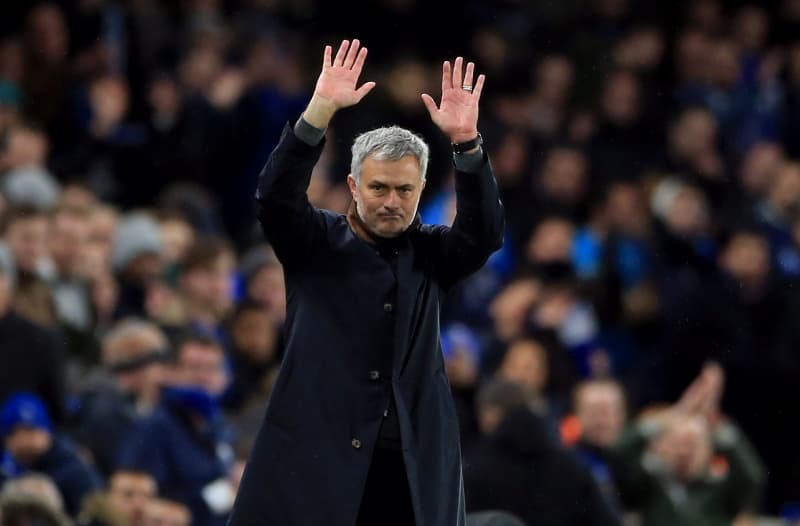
[361,427]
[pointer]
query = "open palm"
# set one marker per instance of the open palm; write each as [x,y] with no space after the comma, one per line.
[337,82]
[457,113]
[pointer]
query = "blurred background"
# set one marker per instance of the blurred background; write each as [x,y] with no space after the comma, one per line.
[630,353]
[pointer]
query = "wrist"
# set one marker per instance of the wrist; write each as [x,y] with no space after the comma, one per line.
[319,112]
[468,146]
[459,137]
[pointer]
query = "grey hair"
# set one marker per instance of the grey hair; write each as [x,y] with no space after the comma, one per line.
[390,143]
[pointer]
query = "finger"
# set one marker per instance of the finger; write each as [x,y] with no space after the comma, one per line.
[468,74]
[359,64]
[479,86]
[447,79]
[363,90]
[457,73]
[339,60]
[326,58]
[352,53]
[430,104]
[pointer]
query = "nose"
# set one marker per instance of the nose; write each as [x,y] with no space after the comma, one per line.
[392,201]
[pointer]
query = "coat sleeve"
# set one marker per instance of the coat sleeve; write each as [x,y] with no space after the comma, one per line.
[478,227]
[289,221]
[633,482]
[745,482]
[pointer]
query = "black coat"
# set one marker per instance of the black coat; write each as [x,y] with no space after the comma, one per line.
[522,470]
[355,334]
[32,359]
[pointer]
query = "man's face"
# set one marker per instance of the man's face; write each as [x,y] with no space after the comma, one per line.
[27,239]
[130,493]
[69,236]
[747,258]
[212,286]
[525,362]
[254,334]
[268,288]
[202,365]
[26,444]
[686,448]
[387,194]
[601,412]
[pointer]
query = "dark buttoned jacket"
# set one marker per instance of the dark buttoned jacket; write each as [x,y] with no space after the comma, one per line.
[359,332]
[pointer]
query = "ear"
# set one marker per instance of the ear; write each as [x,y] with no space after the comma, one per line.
[351,183]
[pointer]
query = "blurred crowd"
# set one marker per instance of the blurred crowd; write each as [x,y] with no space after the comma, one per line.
[631,348]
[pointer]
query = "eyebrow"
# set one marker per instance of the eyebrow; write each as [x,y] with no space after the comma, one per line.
[408,186]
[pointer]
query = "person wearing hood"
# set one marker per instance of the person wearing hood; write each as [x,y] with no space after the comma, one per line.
[184,443]
[30,444]
[521,469]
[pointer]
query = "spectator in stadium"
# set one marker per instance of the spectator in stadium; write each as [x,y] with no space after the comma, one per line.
[776,211]
[599,414]
[26,232]
[206,286]
[35,485]
[127,389]
[687,464]
[521,468]
[184,444]
[494,399]
[254,354]
[525,362]
[124,503]
[462,356]
[130,493]
[136,262]
[30,444]
[27,509]
[69,237]
[33,358]
[263,281]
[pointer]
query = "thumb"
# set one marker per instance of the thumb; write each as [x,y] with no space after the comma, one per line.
[430,104]
[364,89]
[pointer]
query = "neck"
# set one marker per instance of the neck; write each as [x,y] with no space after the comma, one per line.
[358,226]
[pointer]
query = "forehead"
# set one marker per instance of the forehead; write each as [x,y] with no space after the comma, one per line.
[405,170]
[28,222]
[128,479]
[599,394]
[526,350]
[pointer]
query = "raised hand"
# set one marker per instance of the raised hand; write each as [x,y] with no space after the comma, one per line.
[457,114]
[336,85]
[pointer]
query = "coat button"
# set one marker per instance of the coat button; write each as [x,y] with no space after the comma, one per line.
[374,375]
[388,307]
[356,443]
[385,413]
